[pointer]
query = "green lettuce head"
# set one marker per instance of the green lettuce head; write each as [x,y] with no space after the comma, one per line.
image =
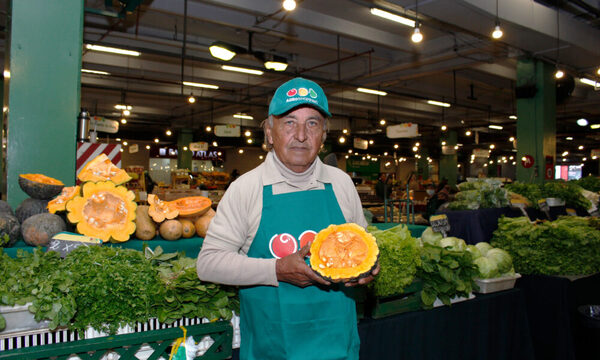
[487,267]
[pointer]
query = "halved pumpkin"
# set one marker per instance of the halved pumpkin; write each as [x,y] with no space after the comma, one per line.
[104,210]
[343,252]
[101,169]
[160,210]
[191,206]
[59,203]
[40,186]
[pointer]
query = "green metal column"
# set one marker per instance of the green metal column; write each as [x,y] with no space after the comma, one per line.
[423,164]
[2,150]
[449,163]
[184,158]
[44,90]
[536,120]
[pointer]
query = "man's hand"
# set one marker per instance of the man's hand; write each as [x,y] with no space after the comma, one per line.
[292,269]
[366,279]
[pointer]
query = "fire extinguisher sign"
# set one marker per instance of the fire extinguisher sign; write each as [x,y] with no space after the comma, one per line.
[549,173]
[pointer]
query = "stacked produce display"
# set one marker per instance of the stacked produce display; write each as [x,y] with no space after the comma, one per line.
[479,194]
[105,288]
[569,192]
[569,245]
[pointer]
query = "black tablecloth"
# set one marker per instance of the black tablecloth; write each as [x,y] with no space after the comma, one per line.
[492,326]
[556,329]
[474,226]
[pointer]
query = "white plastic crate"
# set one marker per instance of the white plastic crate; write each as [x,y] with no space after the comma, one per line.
[497,284]
[455,299]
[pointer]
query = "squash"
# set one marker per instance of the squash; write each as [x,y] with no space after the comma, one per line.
[10,229]
[343,253]
[171,230]
[145,228]
[59,203]
[203,222]
[40,186]
[159,210]
[39,229]
[5,207]
[189,229]
[30,207]
[191,206]
[102,169]
[104,211]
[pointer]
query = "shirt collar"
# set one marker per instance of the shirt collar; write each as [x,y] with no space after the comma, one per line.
[276,173]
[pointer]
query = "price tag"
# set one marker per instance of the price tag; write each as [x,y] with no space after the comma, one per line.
[439,223]
[519,204]
[543,204]
[65,242]
[571,212]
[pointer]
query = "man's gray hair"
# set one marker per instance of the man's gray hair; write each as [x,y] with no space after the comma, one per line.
[268,122]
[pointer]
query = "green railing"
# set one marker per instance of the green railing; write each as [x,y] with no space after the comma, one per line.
[127,345]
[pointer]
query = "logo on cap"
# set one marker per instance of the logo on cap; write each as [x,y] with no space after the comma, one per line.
[302,92]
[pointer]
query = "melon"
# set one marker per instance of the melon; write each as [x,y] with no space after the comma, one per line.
[39,229]
[30,207]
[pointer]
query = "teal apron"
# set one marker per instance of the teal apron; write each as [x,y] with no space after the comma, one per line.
[289,322]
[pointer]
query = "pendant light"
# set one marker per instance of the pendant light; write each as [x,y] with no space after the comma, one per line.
[497,33]
[417,36]
[559,73]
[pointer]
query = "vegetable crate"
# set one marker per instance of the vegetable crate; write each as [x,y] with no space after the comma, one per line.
[154,344]
[379,307]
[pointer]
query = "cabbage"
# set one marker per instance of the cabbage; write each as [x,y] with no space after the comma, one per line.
[483,247]
[474,251]
[487,267]
[453,243]
[431,237]
[502,259]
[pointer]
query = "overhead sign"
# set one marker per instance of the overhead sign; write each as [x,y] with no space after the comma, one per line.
[527,161]
[171,153]
[99,123]
[228,130]
[361,143]
[406,130]
[199,146]
[133,148]
[481,153]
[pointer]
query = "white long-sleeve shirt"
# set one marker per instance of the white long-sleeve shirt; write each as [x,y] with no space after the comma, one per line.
[223,258]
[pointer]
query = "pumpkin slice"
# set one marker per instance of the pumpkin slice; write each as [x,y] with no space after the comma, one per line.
[191,206]
[104,210]
[101,169]
[40,186]
[160,210]
[59,203]
[343,253]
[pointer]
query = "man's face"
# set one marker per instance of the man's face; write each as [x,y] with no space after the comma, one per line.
[296,137]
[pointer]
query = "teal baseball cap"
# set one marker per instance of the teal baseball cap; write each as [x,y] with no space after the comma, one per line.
[297,92]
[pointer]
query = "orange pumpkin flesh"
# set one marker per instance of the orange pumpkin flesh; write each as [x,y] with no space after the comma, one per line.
[59,203]
[40,186]
[160,210]
[343,252]
[101,169]
[191,205]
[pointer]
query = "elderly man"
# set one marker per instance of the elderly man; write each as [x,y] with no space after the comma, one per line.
[287,310]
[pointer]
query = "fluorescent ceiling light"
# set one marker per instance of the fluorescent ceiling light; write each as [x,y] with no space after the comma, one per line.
[242,70]
[112,50]
[243,116]
[513,117]
[276,65]
[497,127]
[438,103]
[123,107]
[97,72]
[371,91]
[200,85]
[590,82]
[397,18]
[222,51]
[595,126]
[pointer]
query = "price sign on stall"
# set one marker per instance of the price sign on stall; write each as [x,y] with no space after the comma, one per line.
[65,242]
[519,204]
[571,212]
[543,205]
[439,223]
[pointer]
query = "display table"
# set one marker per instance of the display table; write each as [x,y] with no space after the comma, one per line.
[492,326]
[552,303]
[190,246]
[475,226]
